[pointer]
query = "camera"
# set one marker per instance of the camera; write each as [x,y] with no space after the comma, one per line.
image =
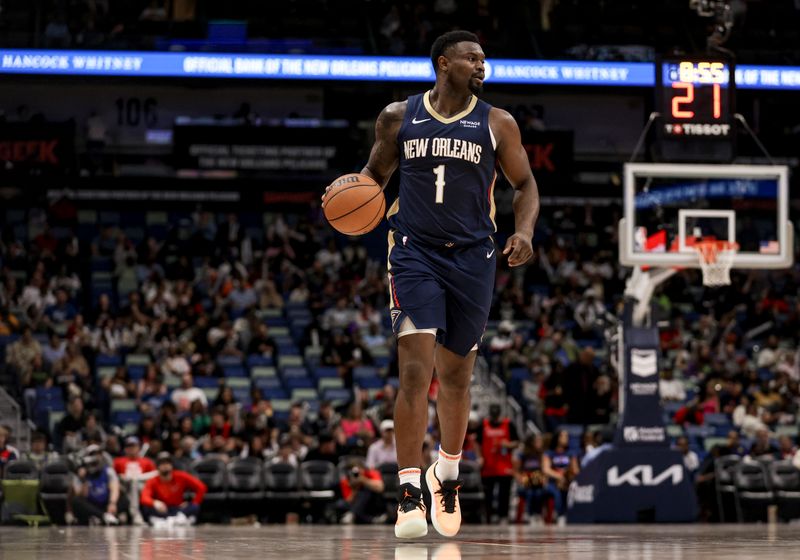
[355,472]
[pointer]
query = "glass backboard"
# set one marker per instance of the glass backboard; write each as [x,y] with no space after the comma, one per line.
[668,207]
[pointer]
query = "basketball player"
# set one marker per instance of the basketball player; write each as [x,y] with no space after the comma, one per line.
[442,259]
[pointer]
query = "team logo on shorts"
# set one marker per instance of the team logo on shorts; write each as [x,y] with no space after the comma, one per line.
[395,313]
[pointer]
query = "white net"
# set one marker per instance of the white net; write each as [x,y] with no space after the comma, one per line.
[716,260]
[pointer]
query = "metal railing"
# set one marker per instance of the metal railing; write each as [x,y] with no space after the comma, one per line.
[11,416]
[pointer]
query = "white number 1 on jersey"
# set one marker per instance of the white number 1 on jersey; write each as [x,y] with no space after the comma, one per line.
[439,171]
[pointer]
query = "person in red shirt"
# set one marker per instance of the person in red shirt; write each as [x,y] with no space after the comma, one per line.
[362,493]
[162,496]
[497,439]
[134,470]
[131,463]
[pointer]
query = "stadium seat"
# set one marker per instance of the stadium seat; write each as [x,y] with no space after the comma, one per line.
[717,419]
[135,373]
[274,393]
[320,372]
[245,484]
[210,393]
[337,396]
[285,361]
[369,382]
[319,480]
[294,371]
[725,488]
[260,372]
[304,394]
[753,494]
[364,371]
[238,383]
[299,383]
[280,482]
[106,372]
[234,371]
[330,383]
[784,479]
[214,475]
[256,360]
[123,418]
[390,485]
[203,382]
[471,492]
[21,470]
[106,360]
[137,360]
[225,361]
[54,488]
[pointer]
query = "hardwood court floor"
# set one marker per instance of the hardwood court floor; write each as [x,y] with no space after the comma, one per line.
[217,542]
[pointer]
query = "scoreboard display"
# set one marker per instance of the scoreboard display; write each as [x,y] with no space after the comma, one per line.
[695,97]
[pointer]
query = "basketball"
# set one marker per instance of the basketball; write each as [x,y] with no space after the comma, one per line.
[354,204]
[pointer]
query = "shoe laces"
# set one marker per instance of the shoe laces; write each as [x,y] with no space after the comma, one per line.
[448,493]
[410,502]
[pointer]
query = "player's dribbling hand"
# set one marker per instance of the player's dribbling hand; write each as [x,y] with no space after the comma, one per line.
[519,249]
[327,189]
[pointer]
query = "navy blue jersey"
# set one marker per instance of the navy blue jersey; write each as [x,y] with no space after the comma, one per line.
[447,175]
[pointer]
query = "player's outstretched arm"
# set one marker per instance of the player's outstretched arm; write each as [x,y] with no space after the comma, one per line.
[514,163]
[384,157]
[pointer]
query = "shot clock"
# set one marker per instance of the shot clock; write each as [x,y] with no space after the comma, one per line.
[695,97]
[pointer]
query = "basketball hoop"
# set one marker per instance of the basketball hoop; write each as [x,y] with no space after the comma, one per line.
[716,259]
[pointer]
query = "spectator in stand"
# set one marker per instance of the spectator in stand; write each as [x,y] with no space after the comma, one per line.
[38,455]
[357,429]
[533,488]
[95,498]
[690,459]
[54,351]
[580,378]
[25,356]
[8,453]
[163,495]
[561,467]
[763,445]
[187,394]
[497,438]
[262,344]
[326,450]
[59,313]
[151,388]
[671,389]
[285,453]
[690,413]
[68,429]
[383,450]
[72,373]
[327,419]
[787,448]
[362,493]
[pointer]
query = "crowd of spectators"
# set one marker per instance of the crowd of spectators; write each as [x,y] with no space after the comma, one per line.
[763,32]
[196,293]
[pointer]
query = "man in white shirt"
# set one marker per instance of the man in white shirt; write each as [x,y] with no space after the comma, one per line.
[671,389]
[690,459]
[187,394]
[383,450]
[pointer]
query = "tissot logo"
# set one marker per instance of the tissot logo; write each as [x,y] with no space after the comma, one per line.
[642,475]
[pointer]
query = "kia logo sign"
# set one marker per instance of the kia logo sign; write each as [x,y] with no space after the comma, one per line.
[642,475]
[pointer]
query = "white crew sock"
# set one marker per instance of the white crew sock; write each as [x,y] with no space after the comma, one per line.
[411,476]
[447,465]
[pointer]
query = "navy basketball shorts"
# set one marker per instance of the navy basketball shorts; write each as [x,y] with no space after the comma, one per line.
[443,290]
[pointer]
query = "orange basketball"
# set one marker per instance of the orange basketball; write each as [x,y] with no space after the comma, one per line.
[355,204]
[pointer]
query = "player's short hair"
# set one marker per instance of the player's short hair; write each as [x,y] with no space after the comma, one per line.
[446,40]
